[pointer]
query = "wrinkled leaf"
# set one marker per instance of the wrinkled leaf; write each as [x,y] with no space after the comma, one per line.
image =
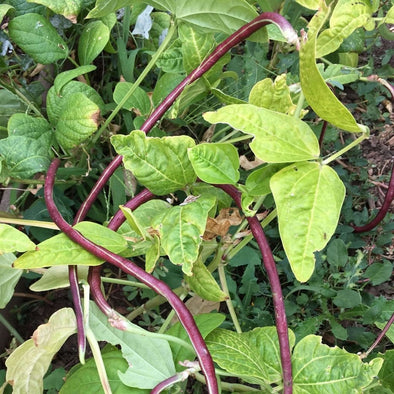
[160,164]
[139,99]
[38,38]
[9,277]
[279,138]
[13,240]
[308,198]
[69,9]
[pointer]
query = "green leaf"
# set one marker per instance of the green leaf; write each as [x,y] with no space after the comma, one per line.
[164,86]
[311,4]
[5,9]
[160,164]
[60,250]
[77,121]
[379,272]
[28,363]
[252,355]
[38,38]
[345,19]
[308,198]
[337,253]
[181,230]
[279,138]
[93,39]
[150,360]
[66,76]
[152,254]
[318,95]
[215,163]
[13,240]
[347,298]
[390,331]
[319,369]
[386,374]
[9,277]
[105,7]
[9,105]
[138,100]
[171,60]
[69,9]
[203,283]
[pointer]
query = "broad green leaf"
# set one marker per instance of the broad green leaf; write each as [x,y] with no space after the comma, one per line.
[56,101]
[347,298]
[203,283]
[319,369]
[38,38]
[318,95]
[279,138]
[389,18]
[386,374]
[226,98]
[181,230]
[346,17]
[139,100]
[379,272]
[252,355]
[166,5]
[308,198]
[389,333]
[171,60]
[160,164]
[28,363]
[13,240]
[56,277]
[311,4]
[77,121]
[152,254]
[5,9]
[164,86]
[69,9]
[338,74]
[337,253]
[66,76]
[9,105]
[93,39]
[150,360]
[9,277]
[105,7]
[23,7]
[215,163]
[60,250]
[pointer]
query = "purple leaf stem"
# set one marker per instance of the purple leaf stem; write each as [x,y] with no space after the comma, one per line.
[127,266]
[277,296]
[383,210]
[381,335]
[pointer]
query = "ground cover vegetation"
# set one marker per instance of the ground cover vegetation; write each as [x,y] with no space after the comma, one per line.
[196,196]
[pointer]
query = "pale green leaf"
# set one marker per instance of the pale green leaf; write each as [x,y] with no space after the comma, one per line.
[60,250]
[9,105]
[5,9]
[69,9]
[279,138]
[389,18]
[27,365]
[171,60]
[160,164]
[308,198]
[319,369]
[66,76]
[311,4]
[152,254]
[150,360]
[13,240]
[318,95]
[252,355]
[38,38]
[166,5]
[104,7]
[164,86]
[389,333]
[181,230]
[215,163]
[138,100]
[9,277]
[346,17]
[203,283]
[93,39]
[78,120]
[226,98]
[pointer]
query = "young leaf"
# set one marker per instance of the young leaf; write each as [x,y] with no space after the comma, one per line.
[308,198]
[9,277]
[78,120]
[279,138]
[319,369]
[152,254]
[38,38]
[215,163]
[69,9]
[139,100]
[93,39]
[65,77]
[160,164]
[27,365]
[13,240]
[317,93]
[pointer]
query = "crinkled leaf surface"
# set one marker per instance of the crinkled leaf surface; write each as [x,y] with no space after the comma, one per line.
[160,164]
[38,38]
[13,240]
[27,365]
[279,138]
[317,93]
[308,198]
[215,163]
[181,230]
[63,78]
[319,369]
[139,99]
[9,277]
[78,120]
[254,355]
[60,250]
[69,9]
[150,360]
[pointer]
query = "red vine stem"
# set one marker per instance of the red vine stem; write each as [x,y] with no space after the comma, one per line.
[277,296]
[381,335]
[184,315]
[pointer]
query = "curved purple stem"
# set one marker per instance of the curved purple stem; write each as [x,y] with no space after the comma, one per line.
[277,296]
[184,315]
[383,210]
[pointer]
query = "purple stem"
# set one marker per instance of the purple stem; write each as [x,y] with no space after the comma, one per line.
[322,133]
[381,335]
[383,210]
[127,266]
[277,296]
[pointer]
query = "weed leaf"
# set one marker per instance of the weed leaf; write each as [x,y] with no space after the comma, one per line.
[13,240]
[69,9]
[9,277]
[139,100]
